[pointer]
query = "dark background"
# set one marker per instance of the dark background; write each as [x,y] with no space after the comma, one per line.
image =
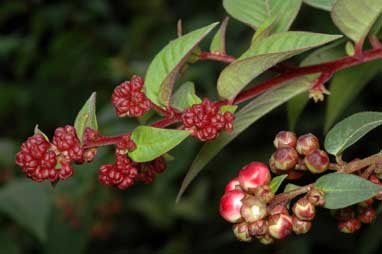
[53,54]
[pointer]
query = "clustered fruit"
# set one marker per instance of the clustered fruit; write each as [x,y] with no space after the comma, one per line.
[295,155]
[129,99]
[247,204]
[205,120]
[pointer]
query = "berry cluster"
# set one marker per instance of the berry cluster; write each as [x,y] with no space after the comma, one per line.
[293,155]
[42,160]
[129,99]
[206,121]
[125,172]
[246,203]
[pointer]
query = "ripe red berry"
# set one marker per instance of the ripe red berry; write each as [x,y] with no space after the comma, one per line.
[307,143]
[349,226]
[301,226]
[366,214]
[241,232]
[284,158]
[254,175]
[230,205]
[148,170]
[66,141]
[126,144]
[205,121]
[233,185]
[285,139]
[280,225]
[253,209]
[317,162]
[129,99]
[303,209]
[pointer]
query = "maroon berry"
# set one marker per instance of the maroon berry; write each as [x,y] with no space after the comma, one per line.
[205,121]
[148,170]
[285,158]
[285,139]
[349,226]
[303,209]
[230,205]
[233,185]
[279,209]
[129,99]
[301,226]
[366,214]
[264,193]
[374,179]
[317,162]
[241,232]
[254,175]
[126,144]
[307,143]
[258,228]
[280,225]
[66,141]
[345,214]
[253,209]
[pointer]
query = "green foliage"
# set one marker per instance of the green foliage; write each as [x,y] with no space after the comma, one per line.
[153,142]
[86,118]
[350,130]
[276,182]
[326,5]
[185,96]
[269,52]
[218,42]
[164,68]
[343,190]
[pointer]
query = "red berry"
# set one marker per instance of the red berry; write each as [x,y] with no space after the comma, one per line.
[148,170]
[129,99]
[205,121]
[279,209]
[233,185]
[349,226]
[241,232]
[366,214]
[374,179]
[285,139]
[285,158]
[258,228]
[345,214]
[253,209]
[301,226]
[317,162]
[254,175]
[66,141]
[307,143]
[303,209]
[126,144]
[280,225]
[264,193]
[230,205]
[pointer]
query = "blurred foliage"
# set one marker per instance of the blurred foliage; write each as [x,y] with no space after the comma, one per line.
[53,54]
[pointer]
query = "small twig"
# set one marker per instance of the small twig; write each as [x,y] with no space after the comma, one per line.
[286,196]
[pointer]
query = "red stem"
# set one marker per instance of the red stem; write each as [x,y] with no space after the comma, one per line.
[217,57]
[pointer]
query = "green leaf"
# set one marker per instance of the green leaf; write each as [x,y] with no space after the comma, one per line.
[290,187]
[355,18]
[162,72]
[185,96]
[249,114]
[268,52]
[350,130]
[86,118]
[344,88]
[254,12]
[295,107]
[276,182]
[264,30]
[28,204]
[342,190]
[218,42]
[8,150]
[153,142]
[326,5]
[228,108]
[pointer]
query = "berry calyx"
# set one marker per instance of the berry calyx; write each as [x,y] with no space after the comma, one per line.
[280,225]
[253,209]
[307,143]
[284,158]
[232,185]
[230,205]
[349,226]
[317,162]
[285,139]
[129,100]
[241,232]
[205,120]
[300,226]
[303,209]
[254,175]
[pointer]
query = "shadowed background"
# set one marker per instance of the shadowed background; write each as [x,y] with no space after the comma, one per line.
[53,54]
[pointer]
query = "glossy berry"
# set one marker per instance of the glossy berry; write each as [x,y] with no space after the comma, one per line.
[307,143]
[233,185]
[349,226]
[317,162]
[254,175]
[258,228]
[303,209]
[129,100]
[285,158]
[66,141]
[285,139]
[230,205]
[300,226]
[37,159]
[241,232]
[366,214]
[205,120]
[280,225]
[253,209]
[264,193]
